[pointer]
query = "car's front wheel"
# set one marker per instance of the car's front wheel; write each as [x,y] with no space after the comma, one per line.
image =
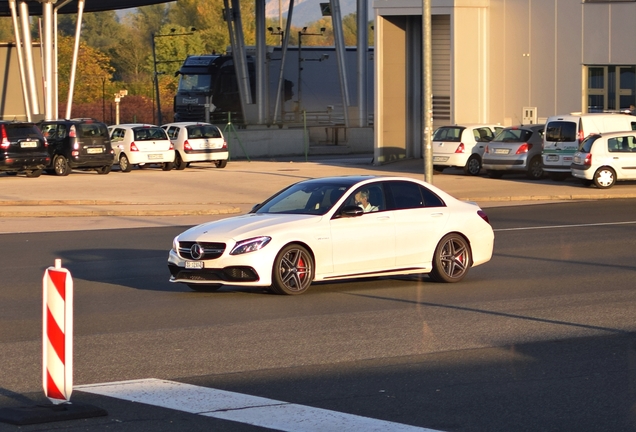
[221,163]
[124,164]
[473,165]
[60,165]
[167,166]
[452,259]
[103,170]
[604,178]
[293,270]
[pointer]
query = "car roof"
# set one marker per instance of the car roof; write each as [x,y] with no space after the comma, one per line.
[528,126]
[615,134]
[187,124]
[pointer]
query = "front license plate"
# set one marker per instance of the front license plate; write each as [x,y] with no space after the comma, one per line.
[154,156]
[95,150]
[28,144]
[439,159]
[552,158]
[194,264]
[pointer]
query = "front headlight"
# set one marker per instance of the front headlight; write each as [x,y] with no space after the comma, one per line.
[175,244]
[250,245]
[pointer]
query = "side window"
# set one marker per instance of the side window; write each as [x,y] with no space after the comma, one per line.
[431,199]
[49,131]
[61,131]
[404,195]
[369,197]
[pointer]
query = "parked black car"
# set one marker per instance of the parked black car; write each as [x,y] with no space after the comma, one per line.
[22,148]
[77,144]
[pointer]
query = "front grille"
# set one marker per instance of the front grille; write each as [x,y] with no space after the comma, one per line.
[230,274]
[210,250]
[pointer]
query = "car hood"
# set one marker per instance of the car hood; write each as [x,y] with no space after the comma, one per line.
[246,226]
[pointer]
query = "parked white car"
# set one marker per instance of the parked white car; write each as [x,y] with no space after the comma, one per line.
[462,146]
[606,158]
[197,142]
[139,145]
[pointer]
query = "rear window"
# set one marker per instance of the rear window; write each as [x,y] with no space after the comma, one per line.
[586,145]
[448,133]
[203,131]
[561,131]
[513,135]
[21,131]
[150,134]
[92,130]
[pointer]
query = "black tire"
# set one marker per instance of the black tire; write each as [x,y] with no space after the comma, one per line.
[452,259]
[293,270]
[221,163]
[473,165]
[438,168]
[104,170]
[604,178]
[33,173]
[179,163]
[205,287]
[124,163]
[167,166]
[535,168]
[60,165]
[12,173]
[557,176]
[494,174]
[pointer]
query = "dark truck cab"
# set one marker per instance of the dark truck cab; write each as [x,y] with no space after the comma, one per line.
[209,79]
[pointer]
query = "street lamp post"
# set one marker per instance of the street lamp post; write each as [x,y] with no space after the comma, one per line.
[118,96]
[155,62]
[302,33]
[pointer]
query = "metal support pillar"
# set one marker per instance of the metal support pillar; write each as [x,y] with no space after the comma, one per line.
[18,46]
[261,63]
[47,39]
[28,54]
[279,89]
[78,31]
[427,71]
[363,48]
[336,19]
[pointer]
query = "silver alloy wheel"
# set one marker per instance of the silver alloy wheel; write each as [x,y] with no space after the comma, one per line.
[293,270]
[452,259]
[124,163]
[60,165]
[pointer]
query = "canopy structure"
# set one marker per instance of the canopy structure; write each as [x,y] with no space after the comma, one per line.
[35,7]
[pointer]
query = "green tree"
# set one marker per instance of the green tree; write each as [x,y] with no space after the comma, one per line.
[93,71]
[6,30]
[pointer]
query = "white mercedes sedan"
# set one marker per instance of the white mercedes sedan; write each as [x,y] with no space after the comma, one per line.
[336,228]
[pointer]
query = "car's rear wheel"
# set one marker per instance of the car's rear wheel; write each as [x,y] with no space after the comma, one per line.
[293,270]
[473,165]
[221,163]
[179,163]
[167,166]
[535,168]
[104,170]
[60,165]
[205,287]
[452,259]
[604,178]
[438,168]
[33,173]
[124,163]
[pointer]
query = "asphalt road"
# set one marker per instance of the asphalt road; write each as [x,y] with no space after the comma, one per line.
[539,339]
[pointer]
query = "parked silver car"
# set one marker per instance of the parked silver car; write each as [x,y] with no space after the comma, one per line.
[515,149]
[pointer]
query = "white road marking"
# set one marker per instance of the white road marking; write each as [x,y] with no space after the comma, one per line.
[566,226]
[241,408]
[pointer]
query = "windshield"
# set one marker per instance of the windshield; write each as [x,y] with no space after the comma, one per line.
[199,83]
[313,198]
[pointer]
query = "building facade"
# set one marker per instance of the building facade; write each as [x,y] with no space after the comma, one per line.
[499,61]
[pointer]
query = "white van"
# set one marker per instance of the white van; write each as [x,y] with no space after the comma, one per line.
[564,133]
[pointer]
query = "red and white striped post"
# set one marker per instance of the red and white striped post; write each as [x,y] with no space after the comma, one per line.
[57,334]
